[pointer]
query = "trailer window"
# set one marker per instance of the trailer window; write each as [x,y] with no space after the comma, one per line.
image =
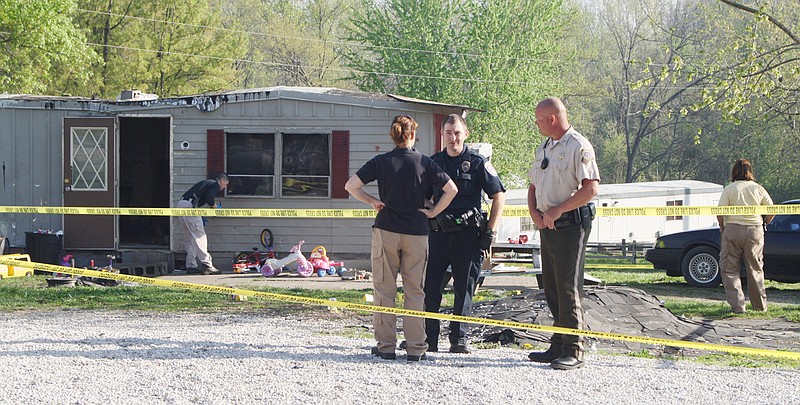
[674,203]
[250,164]
[278,164]
[305,165]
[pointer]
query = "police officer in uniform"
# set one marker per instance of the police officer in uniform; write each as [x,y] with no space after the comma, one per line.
[461,234]
[564,179]
[400,233]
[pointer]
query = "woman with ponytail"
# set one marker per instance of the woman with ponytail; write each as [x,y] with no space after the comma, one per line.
[400,232]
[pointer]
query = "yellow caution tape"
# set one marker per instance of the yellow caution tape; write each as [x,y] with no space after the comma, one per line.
[206,212]
[707,210]
[509,211]
[401,311]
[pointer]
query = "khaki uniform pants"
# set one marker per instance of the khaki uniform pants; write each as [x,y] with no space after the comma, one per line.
[408,254]
[195,239]
[743,242]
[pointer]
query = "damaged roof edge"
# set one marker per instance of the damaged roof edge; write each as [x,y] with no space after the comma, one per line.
[253,94]
[427,102]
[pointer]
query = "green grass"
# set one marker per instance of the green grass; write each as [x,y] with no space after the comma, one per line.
[32,293]
[740,360]
[695,302]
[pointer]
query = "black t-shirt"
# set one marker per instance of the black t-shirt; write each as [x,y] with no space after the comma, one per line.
[403,177]
[472,175]
[202,193]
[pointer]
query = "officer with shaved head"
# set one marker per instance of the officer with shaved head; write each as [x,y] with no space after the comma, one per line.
[563,181]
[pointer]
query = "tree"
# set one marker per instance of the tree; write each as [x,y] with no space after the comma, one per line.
[166,47]
[648,42]
[759,59]
[292,42]
[41,49]
[750,66]
[501,57]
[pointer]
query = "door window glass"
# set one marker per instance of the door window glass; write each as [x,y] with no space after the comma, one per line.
[89,159]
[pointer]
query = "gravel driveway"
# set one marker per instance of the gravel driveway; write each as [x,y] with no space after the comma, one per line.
[94,357]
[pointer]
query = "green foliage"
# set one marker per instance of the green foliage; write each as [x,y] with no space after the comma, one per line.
[635,54]
[165,47]
[754,63]
[500,57]
[42,50]
[293,43]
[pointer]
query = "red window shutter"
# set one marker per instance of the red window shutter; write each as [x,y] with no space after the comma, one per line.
[340,163]
[215,158]
[437,130]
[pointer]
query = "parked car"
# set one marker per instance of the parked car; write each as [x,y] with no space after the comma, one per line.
[695,254]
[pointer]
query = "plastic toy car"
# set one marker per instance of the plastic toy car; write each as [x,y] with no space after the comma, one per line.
[323,265]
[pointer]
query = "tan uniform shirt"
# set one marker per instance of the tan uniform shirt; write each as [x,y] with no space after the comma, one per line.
[744,192]
[571,159]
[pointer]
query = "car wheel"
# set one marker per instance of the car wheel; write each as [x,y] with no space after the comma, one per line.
[700,267]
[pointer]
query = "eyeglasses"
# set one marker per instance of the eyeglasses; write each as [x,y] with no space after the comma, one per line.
[545,161]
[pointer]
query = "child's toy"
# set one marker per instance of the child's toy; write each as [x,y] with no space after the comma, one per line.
[66,261]
[523,239]
[13,271]
[274,267]
[98,281]
[252,261]
[324,266]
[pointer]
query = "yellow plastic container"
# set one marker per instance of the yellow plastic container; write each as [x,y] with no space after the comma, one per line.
[11,271]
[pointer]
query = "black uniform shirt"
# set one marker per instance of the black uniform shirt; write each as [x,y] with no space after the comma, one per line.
[403,177]
[472,174]
[203,192]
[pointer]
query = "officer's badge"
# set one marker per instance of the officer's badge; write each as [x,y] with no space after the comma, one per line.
[587,156]
[465,165]
[490,169]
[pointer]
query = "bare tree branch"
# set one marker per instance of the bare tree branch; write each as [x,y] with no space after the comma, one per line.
[771,19]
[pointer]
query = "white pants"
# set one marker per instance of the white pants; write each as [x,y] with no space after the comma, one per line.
[195,239]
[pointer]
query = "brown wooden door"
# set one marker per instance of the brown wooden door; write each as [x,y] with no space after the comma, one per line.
[89,181]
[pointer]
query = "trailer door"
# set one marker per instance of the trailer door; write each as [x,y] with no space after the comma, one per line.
[89,181]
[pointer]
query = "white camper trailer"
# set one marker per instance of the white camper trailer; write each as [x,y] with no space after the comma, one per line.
[640,229]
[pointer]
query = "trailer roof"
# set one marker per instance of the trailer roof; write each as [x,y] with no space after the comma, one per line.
[263,93]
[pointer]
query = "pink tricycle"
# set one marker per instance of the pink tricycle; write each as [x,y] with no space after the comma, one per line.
[273,267]
[324,266]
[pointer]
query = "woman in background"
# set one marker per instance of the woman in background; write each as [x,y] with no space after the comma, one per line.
[742,237]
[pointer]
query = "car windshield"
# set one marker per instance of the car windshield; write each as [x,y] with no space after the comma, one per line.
[784,223]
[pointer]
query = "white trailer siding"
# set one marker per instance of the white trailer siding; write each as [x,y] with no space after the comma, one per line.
[640,228]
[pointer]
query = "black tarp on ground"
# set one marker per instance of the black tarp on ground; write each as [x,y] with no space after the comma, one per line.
[628,311]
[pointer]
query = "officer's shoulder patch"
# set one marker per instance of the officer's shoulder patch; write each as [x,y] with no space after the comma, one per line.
[587,155]
[490,169]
